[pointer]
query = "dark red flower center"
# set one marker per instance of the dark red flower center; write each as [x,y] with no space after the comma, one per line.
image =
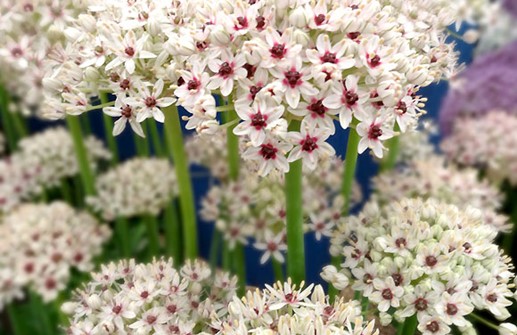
[353,35]
[317,107]
[329,57]
[150,102]
[431,261]
[125,84]
[261,22]
[309,144]
[375,61]
[387,294]
[258,120]
[278,51]
[351,98]
[398,279]
[116,309]
[225,70]
[319,19]
[126,111]
[254,90]
[242,21]
[401,242]
[193,84]
[492,297]
[433,327]
[451,309]
[16,52]
[151,319]
[130,51]
[420,304]
[293,77]
[374,132]
[268,151]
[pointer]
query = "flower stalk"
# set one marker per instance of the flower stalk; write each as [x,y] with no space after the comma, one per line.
[294,217]
[108,129]
[408,327]
[153,234]
[172,231]
[85,169]
[174,138]
[393,144]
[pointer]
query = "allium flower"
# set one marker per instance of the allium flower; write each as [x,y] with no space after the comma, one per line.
[424,258]
[52,152]
[154,298]
[285,309]
[486,143]
[498,28]
[39,246]
[275,62]
[18,182]
[486,85]
[254,208]
[434,178]
[136,187]
[416,145]
[31,32]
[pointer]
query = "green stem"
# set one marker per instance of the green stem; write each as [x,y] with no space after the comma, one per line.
[153,234]
[86,127]
[232,141]
[174,137]
[215,247]
[155,138]
[172,231]
[483,321]
[393,144]
[19,125]
[14,319]
[66,193]
[346,188]
[7,121]
[122,231]
[108,130]
[509,238]
[141,145]
[408,327]
[226,257]
[294,218]
[87,176]
[42,313]
[278,271]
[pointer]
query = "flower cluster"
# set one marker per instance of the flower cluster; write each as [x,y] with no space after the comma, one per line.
[285,309]
[498,27]
[136,187]
[425,258]
[52,152]
[487,143]
[154,298]
[18,182]
[2,144]
[254,207]
[31,30]
[39,246]
[434,178]
[358,62]
[487,84]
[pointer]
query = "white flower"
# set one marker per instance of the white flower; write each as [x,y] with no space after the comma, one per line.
[309,144]
[507,329]
[149,102]
[125,114]
[127,50]
[258,120]
[372,132]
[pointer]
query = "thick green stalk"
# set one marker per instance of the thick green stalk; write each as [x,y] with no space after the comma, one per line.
[408,327]
[393,144]
[108,130]
[15,319]
[172,232]
[122,231]
[174,137]
[86,127]
[41,312]
[19,124]
[237,254]
[294,218]
[226,260]
[66,193]
[152,126]
[141,145]
[346,187]
[153,234]
[86,172]
[278,271]
[215,247]
[7,125]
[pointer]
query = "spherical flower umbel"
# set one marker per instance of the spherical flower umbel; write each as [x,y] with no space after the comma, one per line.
[19,182]
[286,309]
[52,151]
[153,298]
[361,63]
[487,143]
[254,208]
[424,258]
[41,244]
[434,178]
[136,187]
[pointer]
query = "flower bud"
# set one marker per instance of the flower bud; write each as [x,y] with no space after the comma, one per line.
[298,17]
[219,36]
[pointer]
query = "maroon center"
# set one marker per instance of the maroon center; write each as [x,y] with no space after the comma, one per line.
[492,297]
[431,261]
[254,90]
[351,98]
[151,319]
[387,294]
[271,246]
[126,111]
[309,144]
[225,70]
[242,21]
[116,309]
[125,84]
[401,242]
[293,77]
[278,51]
[268,151]
[250,69]
[451,309]
[374,132]
[375,61]
[258,120]
[433,327]
[420,304]
[398,279]
[193,84]
[150,102]
[319,19]
[353,35]
[329,57]
[130,51]
[261,22]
